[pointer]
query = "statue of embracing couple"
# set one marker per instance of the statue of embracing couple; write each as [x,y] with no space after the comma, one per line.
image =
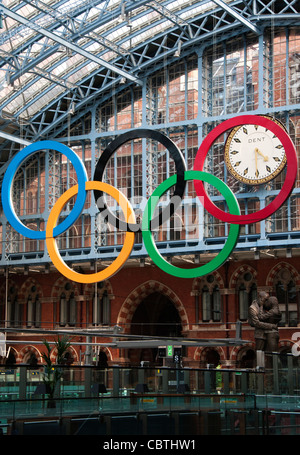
[264,315]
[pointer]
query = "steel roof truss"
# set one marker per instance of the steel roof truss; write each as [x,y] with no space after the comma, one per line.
[201,27]
[182,24]
[237,16]
[69,45]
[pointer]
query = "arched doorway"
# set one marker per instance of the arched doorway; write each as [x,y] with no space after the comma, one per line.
[102,360]
[11,359]
[31,360]
[212,357]
[247,359]
[155,316]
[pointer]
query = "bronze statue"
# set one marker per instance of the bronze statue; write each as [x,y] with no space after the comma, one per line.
[264,316]
[271,313]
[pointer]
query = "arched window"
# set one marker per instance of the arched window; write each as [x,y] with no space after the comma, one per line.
[211,304]
[33,308]
[246,293]
[67,310]
[73,310]
[246,297]
[208,299]
[101,308]
[286,290]
[14,312]
[14,309]
[287,295]
[63,310]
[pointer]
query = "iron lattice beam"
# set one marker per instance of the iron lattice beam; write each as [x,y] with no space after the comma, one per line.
[142,58]
[237,16]
[69,45]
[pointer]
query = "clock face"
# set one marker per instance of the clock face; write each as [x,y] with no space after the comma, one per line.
[253,154]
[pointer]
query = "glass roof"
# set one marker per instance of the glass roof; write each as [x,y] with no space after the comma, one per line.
[55,52]
[36,69]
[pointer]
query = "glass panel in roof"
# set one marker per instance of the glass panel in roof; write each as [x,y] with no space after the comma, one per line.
[42,102]
[145,23]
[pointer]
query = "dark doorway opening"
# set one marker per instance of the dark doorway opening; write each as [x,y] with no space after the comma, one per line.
[156,316]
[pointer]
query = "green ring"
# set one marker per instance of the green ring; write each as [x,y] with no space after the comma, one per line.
[218,260]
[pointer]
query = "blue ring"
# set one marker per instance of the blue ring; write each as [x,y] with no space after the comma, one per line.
[6,193]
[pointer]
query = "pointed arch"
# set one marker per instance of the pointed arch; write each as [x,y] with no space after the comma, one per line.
[140,293]
[71,350]
[241,271]
[26,351]
[26,288]
[11,284]
[218,280]
[237,350]
[200,353]
[280,267]
[14,352]
[107,352]
[59,286]
[89,289]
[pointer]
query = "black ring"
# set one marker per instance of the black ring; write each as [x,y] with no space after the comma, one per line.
[179,187]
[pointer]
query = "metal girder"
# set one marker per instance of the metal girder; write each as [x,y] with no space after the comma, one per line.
[140,53]
[170,16]
[73,21]
[237,16]
[68,45]
[191,32]
[53,78]
[12,138]
[78,10]
[37,70]
[287,6]
[134,341]
[82,29]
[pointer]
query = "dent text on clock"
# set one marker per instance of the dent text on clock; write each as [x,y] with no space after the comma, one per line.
[256,139]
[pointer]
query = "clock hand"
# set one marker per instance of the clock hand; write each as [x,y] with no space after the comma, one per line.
[256,171]
[266,158]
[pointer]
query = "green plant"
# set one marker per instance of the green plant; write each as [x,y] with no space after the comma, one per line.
[53,372]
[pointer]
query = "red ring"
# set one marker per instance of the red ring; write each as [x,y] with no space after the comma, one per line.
[292,167]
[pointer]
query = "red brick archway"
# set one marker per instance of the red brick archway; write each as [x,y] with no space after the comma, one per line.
[135,298]
[201,353]
[282,266]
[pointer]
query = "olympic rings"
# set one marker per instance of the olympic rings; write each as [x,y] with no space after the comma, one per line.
[115,266]
[6,193]
[180,183]
[292,168]
[218,260]
[233,217]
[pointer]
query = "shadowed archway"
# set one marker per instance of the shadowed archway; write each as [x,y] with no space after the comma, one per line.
[155,316]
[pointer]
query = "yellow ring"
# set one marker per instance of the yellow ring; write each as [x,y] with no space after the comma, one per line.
[51,242]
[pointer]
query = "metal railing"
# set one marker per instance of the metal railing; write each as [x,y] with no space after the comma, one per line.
[264,400]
